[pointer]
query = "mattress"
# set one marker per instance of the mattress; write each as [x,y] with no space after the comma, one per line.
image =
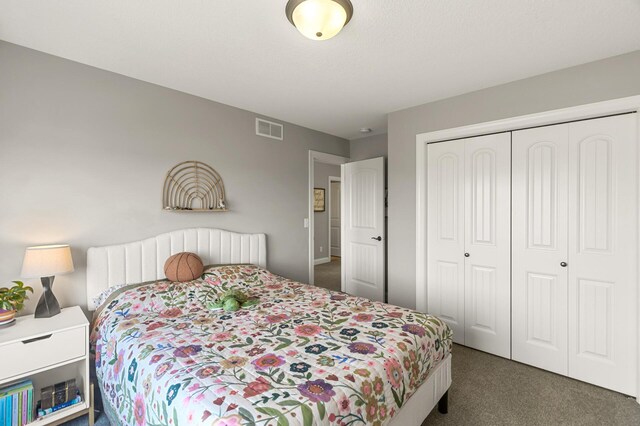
[300,355]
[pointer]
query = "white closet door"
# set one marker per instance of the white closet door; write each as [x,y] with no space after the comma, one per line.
[488,244]
[539,246]
[445,230]
[602,252]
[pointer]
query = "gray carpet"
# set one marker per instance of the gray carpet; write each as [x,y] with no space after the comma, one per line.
[327,275]
[489,390]
[100,420]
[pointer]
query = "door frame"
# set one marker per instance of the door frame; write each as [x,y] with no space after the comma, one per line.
[581,112]
[333,179]
[321,157]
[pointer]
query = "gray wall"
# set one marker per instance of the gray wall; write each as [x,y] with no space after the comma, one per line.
[322,172]
[602,80]
[84,153]
[368,147]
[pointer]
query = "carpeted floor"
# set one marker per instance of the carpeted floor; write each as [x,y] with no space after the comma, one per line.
[489,390]
[327,275]
[100,420]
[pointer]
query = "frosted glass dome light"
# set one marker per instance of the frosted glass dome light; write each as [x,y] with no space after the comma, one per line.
[319,19]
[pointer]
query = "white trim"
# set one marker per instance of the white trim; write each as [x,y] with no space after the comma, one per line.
[321,157]
[343,267]
[638,271]
[331,179]
[322,260]
[421,228]
[581,112]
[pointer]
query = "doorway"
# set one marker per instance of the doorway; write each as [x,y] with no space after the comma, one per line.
[326,226]
[324,174]
[362,245]
[327,269]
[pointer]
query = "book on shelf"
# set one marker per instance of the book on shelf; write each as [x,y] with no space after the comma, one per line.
[16,403]
[25,408]
[46,411]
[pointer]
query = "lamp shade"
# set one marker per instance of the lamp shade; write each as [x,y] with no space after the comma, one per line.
[46,261]
[319,19]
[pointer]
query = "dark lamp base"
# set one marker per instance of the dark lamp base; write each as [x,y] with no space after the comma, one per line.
[48,304]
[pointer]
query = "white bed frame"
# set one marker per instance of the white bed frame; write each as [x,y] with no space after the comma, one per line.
[434,391]
[142,261]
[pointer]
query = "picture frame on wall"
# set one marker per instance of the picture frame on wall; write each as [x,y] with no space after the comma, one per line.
[318,200]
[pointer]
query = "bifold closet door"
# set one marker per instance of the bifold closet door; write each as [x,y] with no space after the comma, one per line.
[539,247]
[603,257]
[445,230]
[468,270]
[574,256]
[488,244]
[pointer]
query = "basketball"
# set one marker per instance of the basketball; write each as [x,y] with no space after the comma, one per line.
[183,267]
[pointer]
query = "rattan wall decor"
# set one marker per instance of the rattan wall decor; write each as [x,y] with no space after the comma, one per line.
[193,186]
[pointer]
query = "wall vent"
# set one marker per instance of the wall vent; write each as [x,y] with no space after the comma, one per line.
[269,129]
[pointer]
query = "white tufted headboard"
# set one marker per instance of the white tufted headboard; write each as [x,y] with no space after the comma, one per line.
[142,261]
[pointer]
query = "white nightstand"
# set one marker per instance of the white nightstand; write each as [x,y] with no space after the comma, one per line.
[49,351]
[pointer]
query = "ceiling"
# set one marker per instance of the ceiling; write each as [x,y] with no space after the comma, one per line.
[393,54]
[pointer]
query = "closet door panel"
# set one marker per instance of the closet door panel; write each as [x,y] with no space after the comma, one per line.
[488,243]
[539,246]
[603,252]
[445,230]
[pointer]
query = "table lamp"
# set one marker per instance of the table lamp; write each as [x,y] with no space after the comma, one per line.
[45,262]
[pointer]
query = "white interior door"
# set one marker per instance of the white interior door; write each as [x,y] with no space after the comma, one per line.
[603,258]
[488,244]
[539,246]
[445,230]
[334,218]
[363,228]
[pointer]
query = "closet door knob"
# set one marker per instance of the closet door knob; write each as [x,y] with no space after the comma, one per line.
[563,264]
[378,238]
[467,255]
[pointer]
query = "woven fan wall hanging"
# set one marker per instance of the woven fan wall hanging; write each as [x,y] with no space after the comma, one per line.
[193,186]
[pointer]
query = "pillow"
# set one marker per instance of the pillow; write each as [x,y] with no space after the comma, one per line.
[102,297]
[183,267]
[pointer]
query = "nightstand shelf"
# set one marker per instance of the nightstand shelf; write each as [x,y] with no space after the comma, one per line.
[48,351]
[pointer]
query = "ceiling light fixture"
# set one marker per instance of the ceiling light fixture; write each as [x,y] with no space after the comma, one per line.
[366,130]
[319,19]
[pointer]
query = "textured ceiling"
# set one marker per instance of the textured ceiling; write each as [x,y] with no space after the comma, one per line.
[394,54]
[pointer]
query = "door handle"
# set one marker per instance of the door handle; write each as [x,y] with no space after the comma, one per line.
[378,238]
[563,264]
[467,255]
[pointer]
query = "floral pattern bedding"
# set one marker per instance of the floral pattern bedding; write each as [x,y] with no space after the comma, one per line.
[302,355]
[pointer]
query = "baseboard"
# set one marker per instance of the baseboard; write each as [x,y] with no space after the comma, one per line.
[322,260]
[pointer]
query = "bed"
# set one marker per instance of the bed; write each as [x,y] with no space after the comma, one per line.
[302,355]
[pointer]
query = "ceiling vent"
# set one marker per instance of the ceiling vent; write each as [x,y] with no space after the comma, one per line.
[269,129]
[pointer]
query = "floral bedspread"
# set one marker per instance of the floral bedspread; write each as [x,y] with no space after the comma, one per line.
[302,355]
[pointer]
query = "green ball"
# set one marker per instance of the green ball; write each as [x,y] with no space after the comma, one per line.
[231,305]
